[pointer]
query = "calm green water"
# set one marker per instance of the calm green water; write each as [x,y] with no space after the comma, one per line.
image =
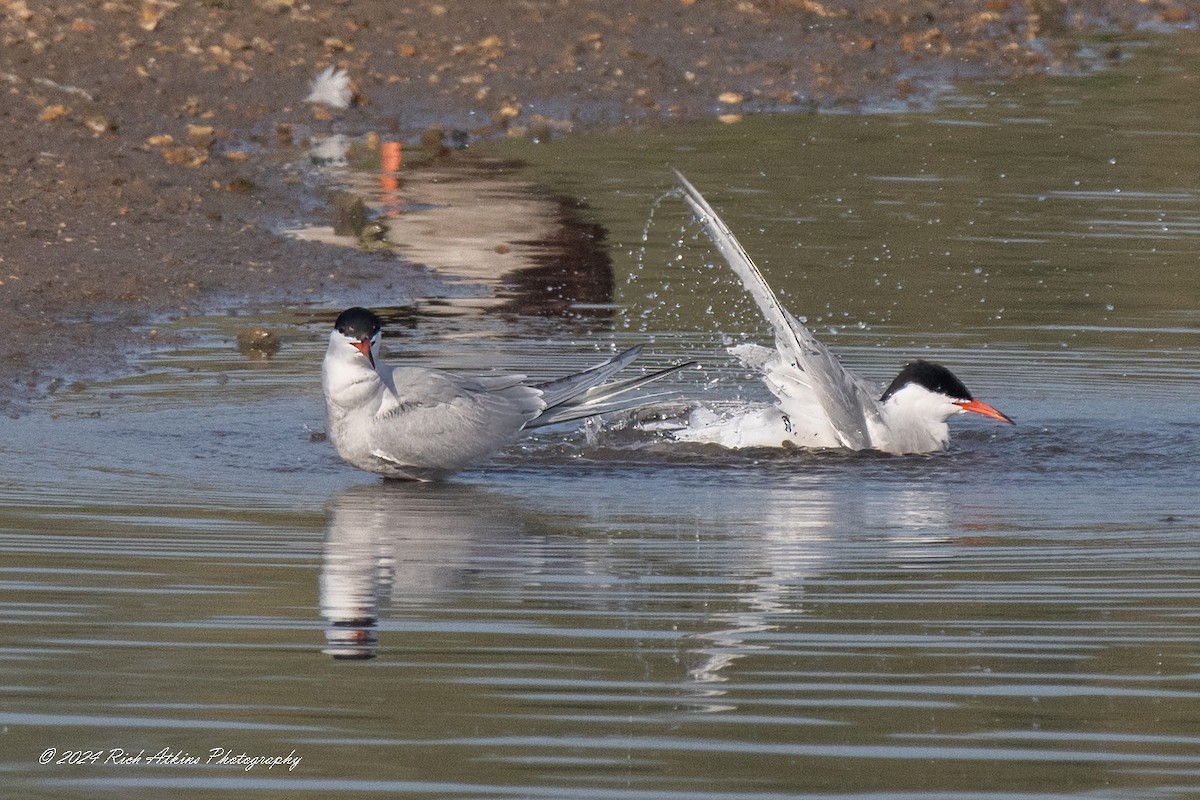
[623,618]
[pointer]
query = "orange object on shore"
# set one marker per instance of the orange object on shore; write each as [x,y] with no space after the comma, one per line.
[391,154]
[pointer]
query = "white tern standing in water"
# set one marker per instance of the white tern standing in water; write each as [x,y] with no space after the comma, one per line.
[423,424]
[820,403]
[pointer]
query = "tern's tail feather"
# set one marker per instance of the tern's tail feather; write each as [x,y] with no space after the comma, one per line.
[585,395]
[564,389]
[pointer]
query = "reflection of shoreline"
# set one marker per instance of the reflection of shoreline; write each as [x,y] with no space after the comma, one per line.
[462,217]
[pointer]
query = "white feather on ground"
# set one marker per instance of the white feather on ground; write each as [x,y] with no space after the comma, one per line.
[331,88]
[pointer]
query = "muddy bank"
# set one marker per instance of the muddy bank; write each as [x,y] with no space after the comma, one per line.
[140,140]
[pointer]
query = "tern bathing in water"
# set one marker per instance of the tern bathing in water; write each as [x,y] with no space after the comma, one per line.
[821,404]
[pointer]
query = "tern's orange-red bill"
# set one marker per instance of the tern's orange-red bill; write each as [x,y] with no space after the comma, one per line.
[979,407]
[364,347]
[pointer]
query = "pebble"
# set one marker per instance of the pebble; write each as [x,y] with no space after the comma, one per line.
[257,342]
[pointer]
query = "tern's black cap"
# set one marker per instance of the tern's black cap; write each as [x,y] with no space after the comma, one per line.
[933,377]
[357,323]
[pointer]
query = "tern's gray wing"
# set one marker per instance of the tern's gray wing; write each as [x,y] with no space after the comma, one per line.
[846,399]
[441,421]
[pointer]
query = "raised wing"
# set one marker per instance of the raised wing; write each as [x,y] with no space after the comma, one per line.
[846,400]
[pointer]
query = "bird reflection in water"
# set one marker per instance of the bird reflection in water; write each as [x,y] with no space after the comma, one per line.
[391,540]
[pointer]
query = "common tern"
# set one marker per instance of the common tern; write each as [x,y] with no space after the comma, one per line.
[423,424]
[820,403]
